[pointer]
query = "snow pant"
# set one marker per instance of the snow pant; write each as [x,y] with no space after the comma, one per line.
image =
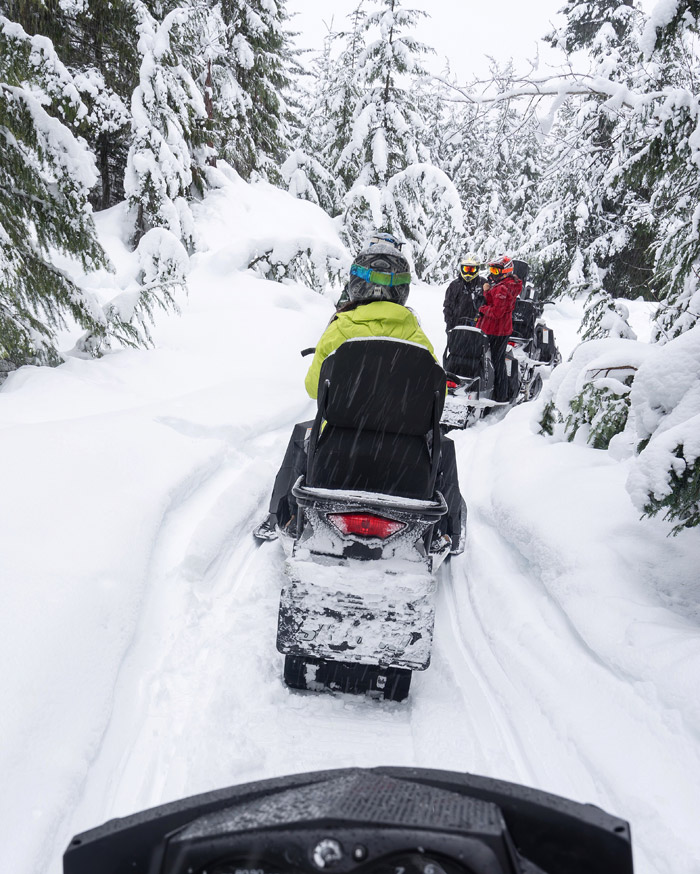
[499,347]
[283,505]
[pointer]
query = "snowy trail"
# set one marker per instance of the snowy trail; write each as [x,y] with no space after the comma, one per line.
[138,649]
[200,702]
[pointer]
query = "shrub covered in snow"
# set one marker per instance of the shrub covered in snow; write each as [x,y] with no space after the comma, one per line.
[666,401]
[588,399]
[305,260]
[639,402]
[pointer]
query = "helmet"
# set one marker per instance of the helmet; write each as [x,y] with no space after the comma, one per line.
[469,266]
[501,267]
[381,237]
[379,273]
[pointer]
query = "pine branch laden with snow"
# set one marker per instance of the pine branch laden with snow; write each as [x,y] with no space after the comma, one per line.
[307,261]
[46,174]
[605,317]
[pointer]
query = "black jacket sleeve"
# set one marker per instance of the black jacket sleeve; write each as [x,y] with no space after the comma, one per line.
[462,300]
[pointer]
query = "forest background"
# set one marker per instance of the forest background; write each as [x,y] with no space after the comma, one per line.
[589,172]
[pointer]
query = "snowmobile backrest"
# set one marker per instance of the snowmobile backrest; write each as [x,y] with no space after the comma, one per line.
[381,384]
[524,316]
[521,269]
[466,347]
[379,398]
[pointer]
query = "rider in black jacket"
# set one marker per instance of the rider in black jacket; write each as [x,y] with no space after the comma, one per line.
[464,295]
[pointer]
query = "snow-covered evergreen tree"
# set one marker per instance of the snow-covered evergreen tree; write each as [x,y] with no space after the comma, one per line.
[392,184]
[167,116]
[308,171]
[45,177]
[252,112]
[96,41]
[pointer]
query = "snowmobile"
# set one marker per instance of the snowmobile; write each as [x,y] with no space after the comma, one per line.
[532,343]
[470,376]
[467,361]
[357,610]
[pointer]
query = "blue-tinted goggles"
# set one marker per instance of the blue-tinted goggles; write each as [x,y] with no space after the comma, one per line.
[378,278]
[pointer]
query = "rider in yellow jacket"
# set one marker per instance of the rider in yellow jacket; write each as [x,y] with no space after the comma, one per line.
[377,289]
[376,318]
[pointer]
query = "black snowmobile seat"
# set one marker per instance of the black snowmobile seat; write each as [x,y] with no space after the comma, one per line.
[464,354]
[379,398]
[524,317]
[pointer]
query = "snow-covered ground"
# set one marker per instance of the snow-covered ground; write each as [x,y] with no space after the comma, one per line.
[137,647]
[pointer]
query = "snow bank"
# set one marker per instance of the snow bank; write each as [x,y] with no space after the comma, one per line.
[103,456]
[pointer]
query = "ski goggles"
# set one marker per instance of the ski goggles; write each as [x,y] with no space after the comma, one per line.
[386,238]
[495,271]
[376,277]
[469,269]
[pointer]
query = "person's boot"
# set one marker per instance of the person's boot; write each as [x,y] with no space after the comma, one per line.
[267,530]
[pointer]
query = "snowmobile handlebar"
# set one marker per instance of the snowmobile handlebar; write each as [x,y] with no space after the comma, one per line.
[361,821]
[309,351]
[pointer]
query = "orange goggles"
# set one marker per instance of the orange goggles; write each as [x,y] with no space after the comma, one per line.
[469,269]
[496,271]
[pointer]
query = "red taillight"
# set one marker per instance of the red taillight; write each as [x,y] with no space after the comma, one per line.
[451,384]
[512,343]
[365,524]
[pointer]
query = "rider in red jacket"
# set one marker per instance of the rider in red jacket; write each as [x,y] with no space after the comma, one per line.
[496,317]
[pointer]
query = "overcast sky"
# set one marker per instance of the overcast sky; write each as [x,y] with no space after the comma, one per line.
[463,31]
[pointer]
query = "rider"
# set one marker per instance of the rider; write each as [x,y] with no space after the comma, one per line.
[496,317]
[464,296]
[378,289]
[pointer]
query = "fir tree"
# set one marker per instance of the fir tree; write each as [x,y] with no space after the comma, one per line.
[167,111]
[96,40]
[395,185]
[254,118]
[45,177]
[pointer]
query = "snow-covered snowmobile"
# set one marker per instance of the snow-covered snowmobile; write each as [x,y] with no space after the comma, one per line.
[532,343]
[470,377]
[467,361]
[356,613]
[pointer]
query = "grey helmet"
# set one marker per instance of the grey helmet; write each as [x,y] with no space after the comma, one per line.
[382,237]
[379,273]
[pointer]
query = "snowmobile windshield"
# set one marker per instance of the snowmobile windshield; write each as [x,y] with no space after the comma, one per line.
[376,277]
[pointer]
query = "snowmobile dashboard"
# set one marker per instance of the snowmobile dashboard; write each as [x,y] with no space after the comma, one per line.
[361,821]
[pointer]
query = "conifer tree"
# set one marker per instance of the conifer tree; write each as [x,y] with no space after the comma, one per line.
[255,117]
[395,185]
[167,138]
[96,41]
[45,177]
[318,169]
